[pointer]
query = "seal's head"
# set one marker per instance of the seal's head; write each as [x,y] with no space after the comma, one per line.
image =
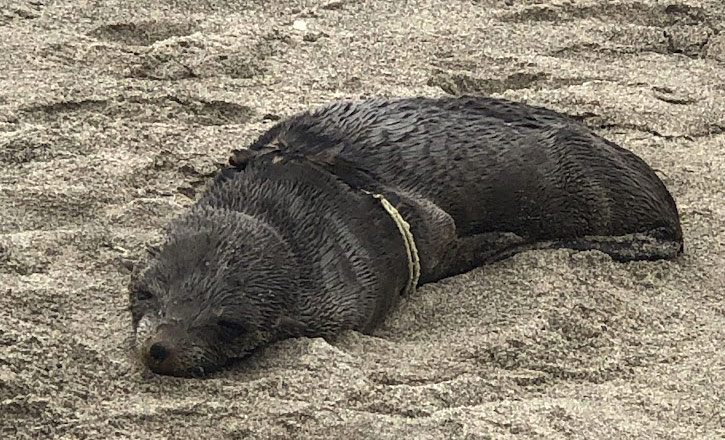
[214,290]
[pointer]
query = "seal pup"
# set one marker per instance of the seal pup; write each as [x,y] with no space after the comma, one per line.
[328,217]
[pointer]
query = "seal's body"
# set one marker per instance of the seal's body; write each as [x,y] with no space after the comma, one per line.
[306,233]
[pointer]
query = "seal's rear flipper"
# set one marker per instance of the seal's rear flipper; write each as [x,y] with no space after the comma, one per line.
[486,248]
[655,244]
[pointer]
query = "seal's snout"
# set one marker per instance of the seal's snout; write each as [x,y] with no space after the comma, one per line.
[166,351]
[160,356]
[174,351]
[158,352]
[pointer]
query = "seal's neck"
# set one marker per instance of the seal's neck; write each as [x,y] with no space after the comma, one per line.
[350,256]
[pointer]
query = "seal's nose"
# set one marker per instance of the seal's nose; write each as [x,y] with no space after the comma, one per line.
[158,352]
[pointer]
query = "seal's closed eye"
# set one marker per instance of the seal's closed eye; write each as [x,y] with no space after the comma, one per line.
[143,295]
[231,329]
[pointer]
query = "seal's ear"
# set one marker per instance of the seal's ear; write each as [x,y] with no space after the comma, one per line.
[291,326]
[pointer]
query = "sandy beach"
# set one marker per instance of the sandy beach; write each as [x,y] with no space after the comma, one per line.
[114,115]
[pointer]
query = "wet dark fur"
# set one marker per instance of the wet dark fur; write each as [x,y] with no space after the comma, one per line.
[285,242]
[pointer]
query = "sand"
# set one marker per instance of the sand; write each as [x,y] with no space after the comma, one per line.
[113,115]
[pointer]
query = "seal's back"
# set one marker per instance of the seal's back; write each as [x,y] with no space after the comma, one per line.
[493,166]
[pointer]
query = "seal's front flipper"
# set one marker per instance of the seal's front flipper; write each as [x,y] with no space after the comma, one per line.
[239,159]
[654,244]
[237,162]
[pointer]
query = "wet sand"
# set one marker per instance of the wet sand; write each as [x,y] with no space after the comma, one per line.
[114,114]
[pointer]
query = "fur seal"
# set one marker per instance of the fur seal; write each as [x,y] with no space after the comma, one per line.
[321,223]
